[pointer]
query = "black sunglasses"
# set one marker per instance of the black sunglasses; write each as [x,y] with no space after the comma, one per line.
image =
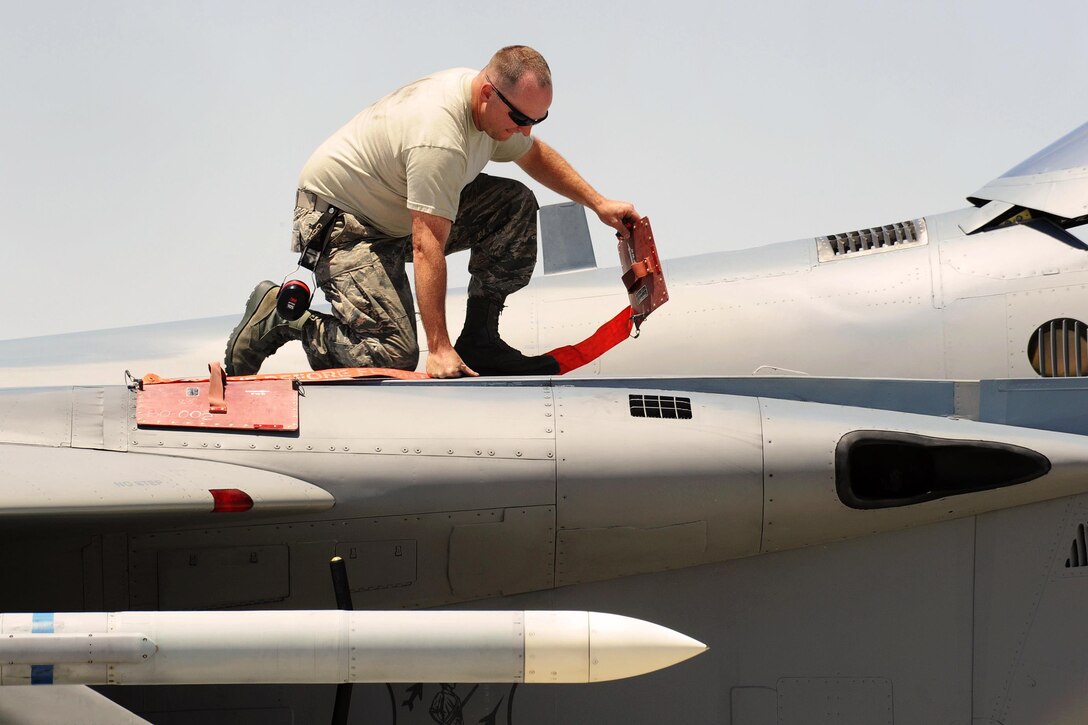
[515,115]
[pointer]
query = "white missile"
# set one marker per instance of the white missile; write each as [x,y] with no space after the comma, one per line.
[332,646]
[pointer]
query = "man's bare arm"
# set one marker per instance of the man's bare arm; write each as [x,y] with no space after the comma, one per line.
[429,235]
[544,164]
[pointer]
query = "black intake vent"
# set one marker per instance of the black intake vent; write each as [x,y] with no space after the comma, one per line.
[660,406]
[1078,553]
[877,239]
[881,469]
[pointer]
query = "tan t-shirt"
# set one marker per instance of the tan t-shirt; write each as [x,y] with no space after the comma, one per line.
[415,149]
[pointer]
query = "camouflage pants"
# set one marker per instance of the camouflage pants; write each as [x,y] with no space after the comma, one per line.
[373,321]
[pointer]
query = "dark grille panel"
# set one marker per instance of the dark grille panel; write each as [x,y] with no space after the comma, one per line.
[660,406]
[1059,349]
[876,239]
[1078,552]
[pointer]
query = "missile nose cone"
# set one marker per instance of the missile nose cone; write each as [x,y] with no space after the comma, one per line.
[594,647]
[626,647]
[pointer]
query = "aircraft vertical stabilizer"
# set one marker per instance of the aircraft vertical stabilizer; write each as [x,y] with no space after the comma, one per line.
[564,238]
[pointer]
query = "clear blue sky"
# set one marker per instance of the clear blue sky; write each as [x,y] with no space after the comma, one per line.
[149,150]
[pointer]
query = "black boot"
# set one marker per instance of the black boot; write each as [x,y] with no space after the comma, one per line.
[261,332]
[482,350]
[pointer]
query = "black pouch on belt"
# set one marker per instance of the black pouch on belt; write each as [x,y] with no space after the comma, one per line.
[312,251]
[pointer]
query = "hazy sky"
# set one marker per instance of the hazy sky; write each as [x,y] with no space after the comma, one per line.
[150,150]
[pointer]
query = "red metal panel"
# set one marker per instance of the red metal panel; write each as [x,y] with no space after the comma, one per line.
[250,405]
[309,376]
[643,276]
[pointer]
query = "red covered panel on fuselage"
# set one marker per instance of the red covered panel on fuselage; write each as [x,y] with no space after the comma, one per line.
[250,405]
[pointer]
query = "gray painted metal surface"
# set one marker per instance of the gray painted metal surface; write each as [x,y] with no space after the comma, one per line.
[565,242]
[600,506]
[965,306]
[1054,180]
[63,704]
[727,525]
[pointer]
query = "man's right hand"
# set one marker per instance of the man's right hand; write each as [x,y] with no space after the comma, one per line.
[616,215]
[447,364]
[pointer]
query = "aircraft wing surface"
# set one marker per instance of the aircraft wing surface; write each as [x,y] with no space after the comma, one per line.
[61,703]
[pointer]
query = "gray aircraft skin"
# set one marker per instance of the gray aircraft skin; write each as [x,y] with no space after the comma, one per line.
[853,548]
[966,292]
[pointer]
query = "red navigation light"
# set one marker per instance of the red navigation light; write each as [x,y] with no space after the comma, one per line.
[230,500]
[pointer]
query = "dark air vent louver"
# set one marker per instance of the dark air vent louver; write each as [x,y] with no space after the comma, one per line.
[871,241]
[1059,349]
[660,406]
[1078,554]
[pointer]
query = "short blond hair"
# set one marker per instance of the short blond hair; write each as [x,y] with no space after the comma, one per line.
[512,63]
